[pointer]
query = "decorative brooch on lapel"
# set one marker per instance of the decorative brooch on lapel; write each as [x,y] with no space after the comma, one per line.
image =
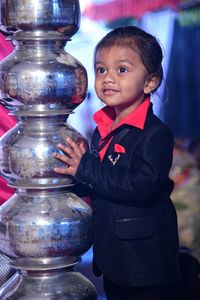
[113,160]
[117,149]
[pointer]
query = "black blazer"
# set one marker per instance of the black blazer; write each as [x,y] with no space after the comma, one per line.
[135,225]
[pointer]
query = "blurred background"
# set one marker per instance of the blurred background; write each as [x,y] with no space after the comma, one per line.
[176,24]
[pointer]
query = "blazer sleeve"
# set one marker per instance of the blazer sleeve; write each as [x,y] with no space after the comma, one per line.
[145,177]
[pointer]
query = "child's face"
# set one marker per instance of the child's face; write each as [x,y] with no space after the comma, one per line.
[121,79]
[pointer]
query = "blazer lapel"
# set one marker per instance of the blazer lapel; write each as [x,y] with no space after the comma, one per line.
[117,137]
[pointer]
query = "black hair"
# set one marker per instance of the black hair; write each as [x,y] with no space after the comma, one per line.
[138,40]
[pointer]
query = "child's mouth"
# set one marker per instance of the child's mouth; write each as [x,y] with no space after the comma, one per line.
[109,92]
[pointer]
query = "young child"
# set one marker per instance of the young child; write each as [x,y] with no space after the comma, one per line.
[127,172]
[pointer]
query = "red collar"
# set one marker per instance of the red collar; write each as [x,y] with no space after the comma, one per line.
[105,117]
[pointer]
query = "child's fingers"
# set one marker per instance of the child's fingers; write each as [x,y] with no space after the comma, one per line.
[63,158]
[67,170]
[73,153]
[69,153]
[63,170]
[76,148]
[66,149]
[82,148]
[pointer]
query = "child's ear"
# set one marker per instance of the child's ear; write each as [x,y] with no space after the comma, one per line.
[151,84]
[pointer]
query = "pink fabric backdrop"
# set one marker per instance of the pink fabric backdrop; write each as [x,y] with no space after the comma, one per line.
[6,121]
[115,9]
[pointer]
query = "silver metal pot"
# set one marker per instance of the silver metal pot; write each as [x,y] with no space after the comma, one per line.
[41,76]
[69,286]
[26,151]
[61,16]
[36,226]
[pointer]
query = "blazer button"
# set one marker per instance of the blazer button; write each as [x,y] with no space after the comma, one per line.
[95,153]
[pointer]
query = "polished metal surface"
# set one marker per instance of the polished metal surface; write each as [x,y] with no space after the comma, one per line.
[45,264]
[41,76]
[6,271]
[39,16]
[46,224]
[44,227]
[61,285]
[10,286]
[26,152]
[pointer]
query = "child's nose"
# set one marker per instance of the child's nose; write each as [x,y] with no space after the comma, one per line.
[109,77]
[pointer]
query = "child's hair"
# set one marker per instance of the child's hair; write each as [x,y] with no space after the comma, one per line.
[145,44]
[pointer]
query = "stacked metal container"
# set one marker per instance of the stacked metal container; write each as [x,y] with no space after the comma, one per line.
[44,228]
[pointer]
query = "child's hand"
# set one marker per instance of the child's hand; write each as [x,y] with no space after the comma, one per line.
[74,153]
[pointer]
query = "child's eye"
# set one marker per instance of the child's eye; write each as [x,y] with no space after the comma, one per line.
[100,70]
[122,70]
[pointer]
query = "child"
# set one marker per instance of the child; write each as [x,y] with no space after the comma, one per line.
[135,227]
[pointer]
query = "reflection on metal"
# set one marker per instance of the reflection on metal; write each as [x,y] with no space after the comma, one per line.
[44,228]
[26,155]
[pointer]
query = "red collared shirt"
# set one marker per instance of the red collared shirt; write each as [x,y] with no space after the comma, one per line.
[105,117]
